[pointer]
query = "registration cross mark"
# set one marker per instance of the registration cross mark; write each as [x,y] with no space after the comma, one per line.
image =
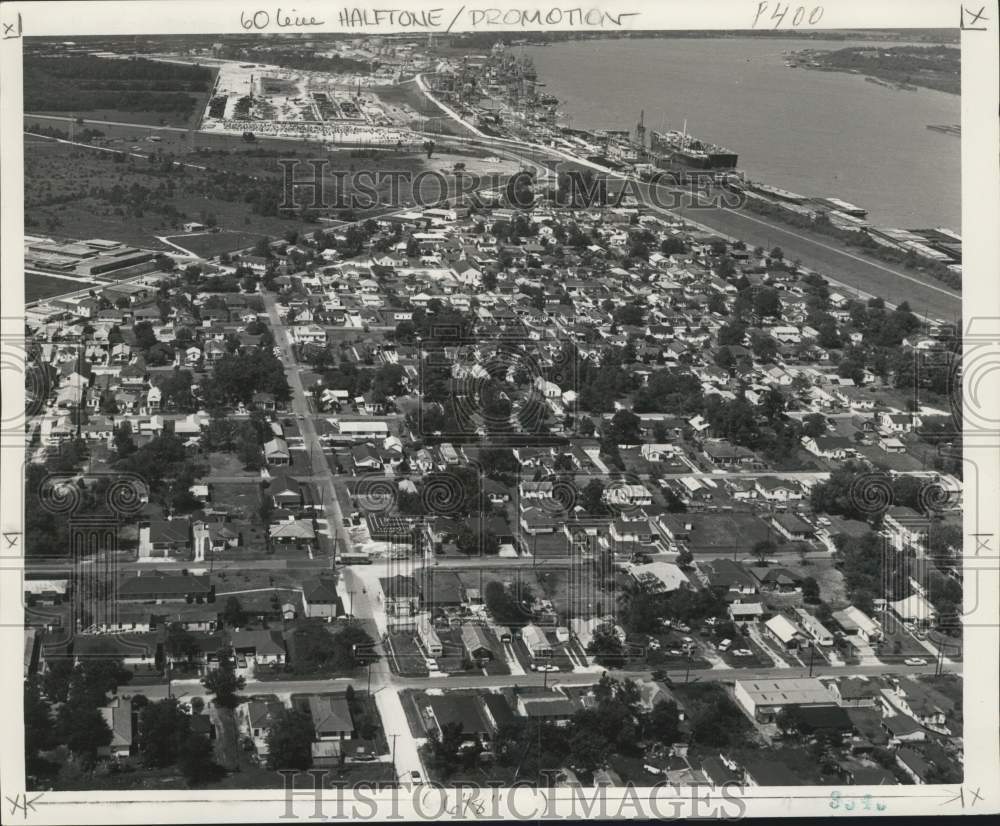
[969,19]
[22,803]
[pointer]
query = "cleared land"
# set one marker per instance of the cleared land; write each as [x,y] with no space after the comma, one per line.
[42,286]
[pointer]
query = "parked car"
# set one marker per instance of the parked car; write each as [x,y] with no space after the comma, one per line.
[725,645]
[431,664]
[915,661]
[416,779]
[684,629]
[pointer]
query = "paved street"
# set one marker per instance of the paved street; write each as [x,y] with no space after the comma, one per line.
[300,406]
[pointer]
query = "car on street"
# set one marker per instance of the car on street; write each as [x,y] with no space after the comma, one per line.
[915,661]
[544,667]
[683,628]
[416,779]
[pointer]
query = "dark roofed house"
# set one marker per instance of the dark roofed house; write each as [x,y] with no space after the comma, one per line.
[729,577]
[259,645]
[445,588]
[792,527]
[118,715]
[258,716]
[903,729]
[828,719]
[464,710]
[400,595]
[857,773]
[498,710]
[918,769]
[168,537]
[778,579]
[319,598]
[546,706]
[477,643]
[331,716]
[288,493]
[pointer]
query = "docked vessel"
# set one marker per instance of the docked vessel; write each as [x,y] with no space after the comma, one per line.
[682,149]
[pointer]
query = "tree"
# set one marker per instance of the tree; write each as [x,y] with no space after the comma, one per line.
[505,607]
[289,741]
[662,722]
[763,549]
[592,498]
[233,614]
[588,749]
[810,590]
[766,303]
[814,425]
[624,428]
[249,451]
[181,642]
[39,727]
[84,731]
[196,760]
[776,254]
[685,558]
[607,648]
[123,441]
[163,727]
[223,682]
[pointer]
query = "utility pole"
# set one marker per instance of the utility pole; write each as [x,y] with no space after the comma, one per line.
[395,769]
[812,651]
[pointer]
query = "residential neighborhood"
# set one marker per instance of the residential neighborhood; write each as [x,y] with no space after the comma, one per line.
[564,494]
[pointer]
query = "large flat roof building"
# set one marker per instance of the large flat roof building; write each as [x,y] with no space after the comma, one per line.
[763,699]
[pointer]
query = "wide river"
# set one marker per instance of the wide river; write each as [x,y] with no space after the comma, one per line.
[816,133]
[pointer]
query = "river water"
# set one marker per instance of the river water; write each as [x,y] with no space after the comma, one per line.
[815,133]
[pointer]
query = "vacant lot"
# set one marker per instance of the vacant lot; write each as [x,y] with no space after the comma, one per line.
[241,499]
[37,287]
[210,244]
[137,90]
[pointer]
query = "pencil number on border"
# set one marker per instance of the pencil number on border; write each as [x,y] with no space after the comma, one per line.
[800,15]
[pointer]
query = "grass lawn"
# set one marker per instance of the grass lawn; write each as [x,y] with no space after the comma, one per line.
[898,644]
[831,580]
[241,498]
[406,659]
[211,244]
[228,464]
[760,658]
[37,287]
[412,700]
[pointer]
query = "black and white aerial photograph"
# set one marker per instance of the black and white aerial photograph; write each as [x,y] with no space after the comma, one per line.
[543,402]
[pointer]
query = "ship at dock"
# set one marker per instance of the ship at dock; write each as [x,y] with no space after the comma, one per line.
[684,150]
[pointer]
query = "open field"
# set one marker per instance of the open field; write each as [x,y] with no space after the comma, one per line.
[210,244]
[42,286]
[138,90]
[80,192]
